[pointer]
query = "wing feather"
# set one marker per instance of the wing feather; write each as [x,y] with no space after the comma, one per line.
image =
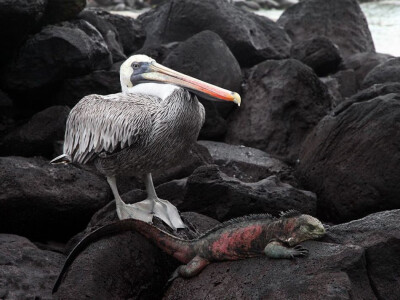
[108,123]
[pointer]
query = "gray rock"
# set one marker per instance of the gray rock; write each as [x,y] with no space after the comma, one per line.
[55,53]
[388,71]
[347,80]
[26,272]
[38,135]
[351,159]
[312,18]
[334,89]
[62,10]
[44,201]
[379,235]
[282,102]
[213,193]
[330,272]
[250,37]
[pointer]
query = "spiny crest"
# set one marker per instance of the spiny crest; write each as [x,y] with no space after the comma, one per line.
[289,214]
[247,218]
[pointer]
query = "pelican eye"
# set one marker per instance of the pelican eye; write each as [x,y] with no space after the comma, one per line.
[135,66]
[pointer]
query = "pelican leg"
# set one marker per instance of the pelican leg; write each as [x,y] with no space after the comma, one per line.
[162,208]
[138,211]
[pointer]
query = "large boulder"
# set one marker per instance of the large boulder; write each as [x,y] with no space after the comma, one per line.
[351,159]
[331,271]
[44,201]
[282,101]
[18,18]
[318,53]
[205,56]
[213,193]
[250,37]
[38,135]
[388,71]
[55,53]
[312,18]
[62,10]
[26,272]
[379,235]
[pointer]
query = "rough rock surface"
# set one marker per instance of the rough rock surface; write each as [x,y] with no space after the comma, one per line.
[245,163]
[213,193]
[330,272]
[282,102]
[38,135]
[205,56]
[388,71]
[100,82]
[351,159]
[250,37]
[318,53]
[347,82]
[55,53]
[312,18]
[26,272]
[62,10]
[18,18]
[41,201]
[379,235]
[363,63]
[137,270]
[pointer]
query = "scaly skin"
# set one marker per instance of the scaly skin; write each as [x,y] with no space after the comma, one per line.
[239,238]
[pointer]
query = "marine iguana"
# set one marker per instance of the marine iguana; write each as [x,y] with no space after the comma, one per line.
[239,238]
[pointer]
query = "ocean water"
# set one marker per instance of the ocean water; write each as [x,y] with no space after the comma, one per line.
[384,23]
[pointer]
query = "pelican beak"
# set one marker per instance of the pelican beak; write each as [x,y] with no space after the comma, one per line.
[158,73]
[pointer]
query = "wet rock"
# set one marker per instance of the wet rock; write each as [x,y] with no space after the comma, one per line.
[26,272]
[62,10]
[137,270]
[205,56]
[282,102]
[18,18]
[44,201]
[108,31]
[100,82]
[213,193]
[331,271]
[55,53]
[379,235]
[38,135]
[363,63]
[250,37]
[318,53]
[245,163]
[388,71]
[313,18]
[351,159]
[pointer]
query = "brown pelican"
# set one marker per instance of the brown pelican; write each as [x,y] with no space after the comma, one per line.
[147,127]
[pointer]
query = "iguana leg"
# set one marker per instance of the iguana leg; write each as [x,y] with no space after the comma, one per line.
[192,268]
[276,249]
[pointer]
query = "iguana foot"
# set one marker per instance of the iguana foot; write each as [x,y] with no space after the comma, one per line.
[276,249]
[193,267]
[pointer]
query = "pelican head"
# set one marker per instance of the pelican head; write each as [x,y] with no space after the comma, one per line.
[142,69]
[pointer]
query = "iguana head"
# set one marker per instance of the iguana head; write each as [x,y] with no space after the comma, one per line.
[301,228]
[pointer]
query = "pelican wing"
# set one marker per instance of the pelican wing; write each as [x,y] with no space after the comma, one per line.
[108,123]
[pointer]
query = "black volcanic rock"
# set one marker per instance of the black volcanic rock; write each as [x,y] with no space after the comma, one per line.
[282,102]
[101,82]
[351,159]
[341,21]
[62,10]
[250,37]
[331,271]
[18,18]
[318,53]
[55,53]
[26,271]
[388,71]
[213,193]
[205,56]
[44,201]
[379,235]
[38,135]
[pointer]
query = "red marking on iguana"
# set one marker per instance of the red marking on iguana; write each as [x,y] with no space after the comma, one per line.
[239,238]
